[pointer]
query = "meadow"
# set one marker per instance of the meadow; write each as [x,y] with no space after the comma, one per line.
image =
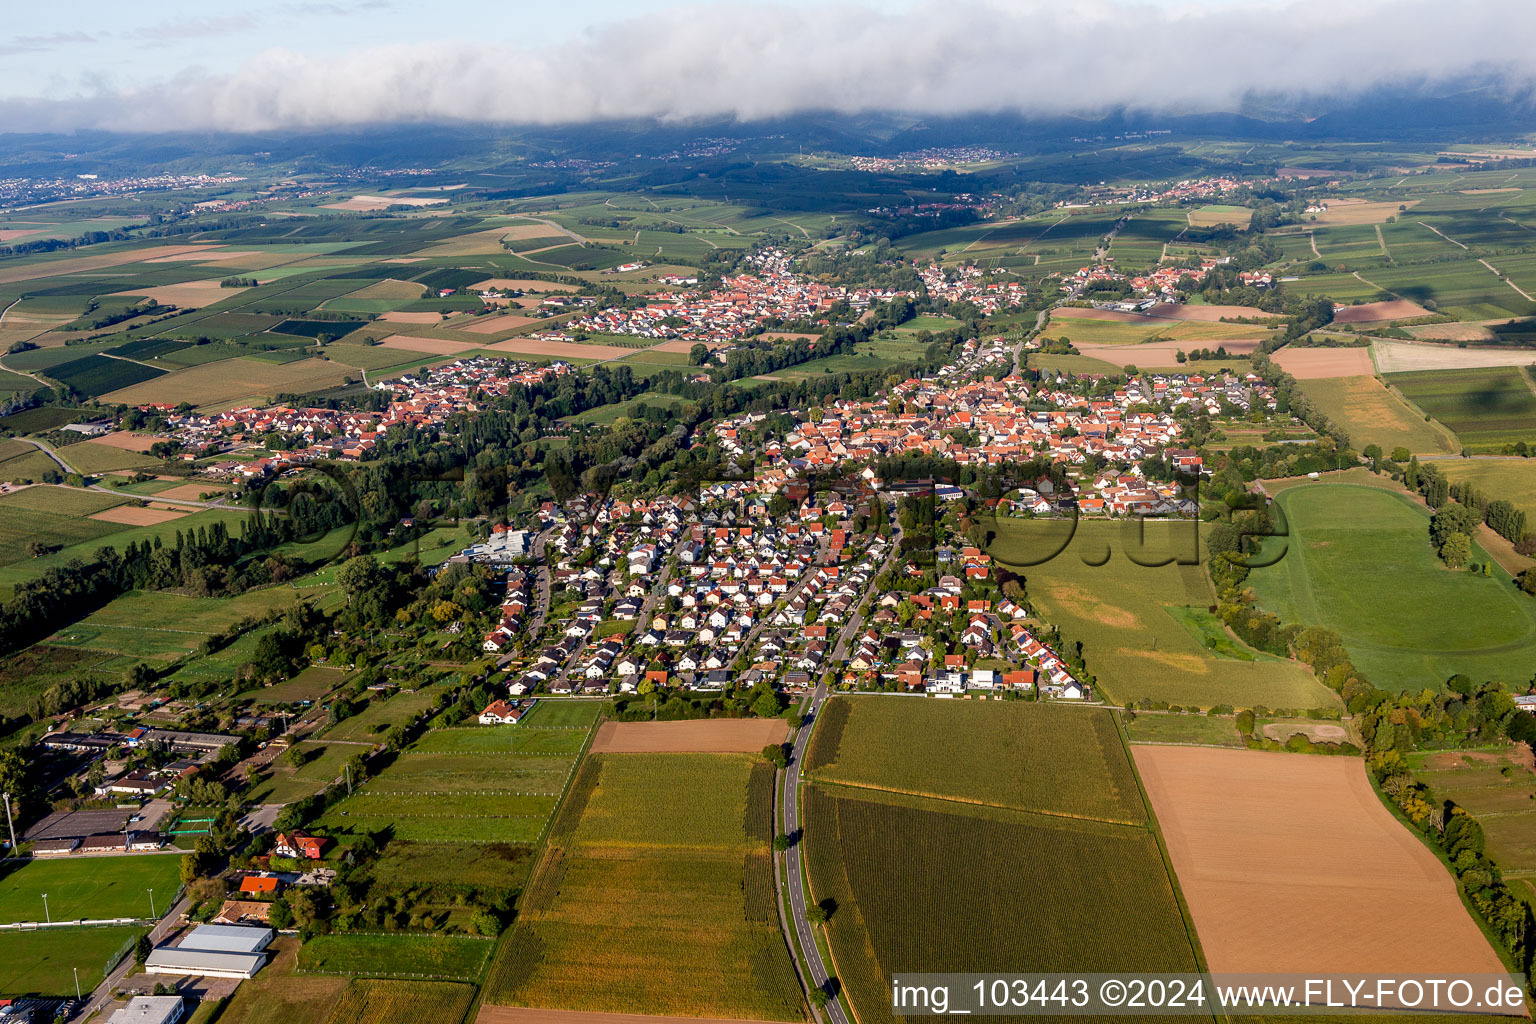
[1431,623]
[371,723]
[563,714]
[1024,756]
[1371,414]
[498,866]
[87,888]
[507,739]
[1167,727]
[285,784]
[647,903]
[1513,480]
[1487,407]
[442,957]
[1087,584]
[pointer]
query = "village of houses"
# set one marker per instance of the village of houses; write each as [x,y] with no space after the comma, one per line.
[714,590]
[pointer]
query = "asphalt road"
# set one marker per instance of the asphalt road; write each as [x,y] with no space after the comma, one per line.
[102,995]
[791,804]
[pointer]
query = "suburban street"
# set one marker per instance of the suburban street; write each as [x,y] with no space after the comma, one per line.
[102,995]
[792,870]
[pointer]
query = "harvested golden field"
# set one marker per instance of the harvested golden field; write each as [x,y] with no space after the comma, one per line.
[1110,315]
[706,736]
[559,349]
[1369,413]
[232,380]
[1162,353]
[368,203]
[1293,864]
[1402,356]
[521,284]
[128,441]
[192,492]
[497,324]
[389,288]
[1360,211]
[1209,313]
[187,295]
[1451,332]
[1373,312]
[134,515]
[1312,363]
[431,346]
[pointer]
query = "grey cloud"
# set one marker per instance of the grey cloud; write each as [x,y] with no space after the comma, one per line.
[757,61]
[43,43]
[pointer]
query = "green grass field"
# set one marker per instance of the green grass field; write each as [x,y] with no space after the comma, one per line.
[1486,407]
[285,784]
[1495,785]
[1513,480]
[507,739]
[371,723]
[570,714]
[1116,609]
[43,963]
[1201,730]
[647,903]
[62,501]
[1024,756]
[447,957]
[454,865]
[87,888]
[1430,623]
[1371,414]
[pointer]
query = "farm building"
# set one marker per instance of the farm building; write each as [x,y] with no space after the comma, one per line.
[214,951]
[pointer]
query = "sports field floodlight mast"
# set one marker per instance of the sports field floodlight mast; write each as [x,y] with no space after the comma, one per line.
[46,918]
[151,903]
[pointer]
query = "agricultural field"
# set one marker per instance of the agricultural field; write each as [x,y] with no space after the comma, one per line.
[369,1001]
[1432,623]
[498,866]
[1487,408]
[638,904]
[1498,786]
[280,995]
[86,888]
[64,501]
[227,383]
[43,962]
[886,859]
[1116,608]
[443,957]
[1241,849]
[311,684]
[504,739]
[1370,413]
[1217,213]
[1513,480]
[1197,730]
[1023,756]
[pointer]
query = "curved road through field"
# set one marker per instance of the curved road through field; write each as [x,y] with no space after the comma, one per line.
[52,453]
[792,871]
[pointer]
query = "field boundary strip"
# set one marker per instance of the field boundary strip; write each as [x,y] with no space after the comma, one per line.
[870,787]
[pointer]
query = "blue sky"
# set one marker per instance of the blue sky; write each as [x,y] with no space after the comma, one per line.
[156,65]
[53,48]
